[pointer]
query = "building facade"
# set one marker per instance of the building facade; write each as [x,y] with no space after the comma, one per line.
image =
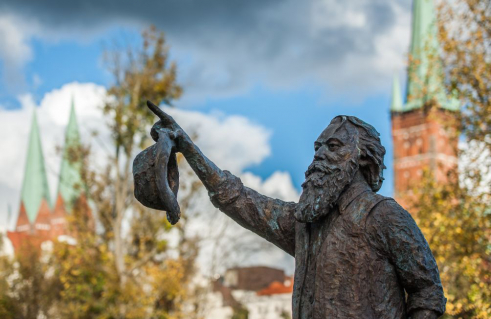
[265,292]
[423,133]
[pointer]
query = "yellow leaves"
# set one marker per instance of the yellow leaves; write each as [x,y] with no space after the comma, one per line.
[454,222]
[91,288]
[75,272]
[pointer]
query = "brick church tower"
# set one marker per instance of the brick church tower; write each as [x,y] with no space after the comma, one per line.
[38,221]
[420,127]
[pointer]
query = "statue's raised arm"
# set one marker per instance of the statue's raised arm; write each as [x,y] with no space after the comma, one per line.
[270,218]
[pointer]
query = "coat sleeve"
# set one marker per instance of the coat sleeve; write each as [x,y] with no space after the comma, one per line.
[403,243]
[270,218]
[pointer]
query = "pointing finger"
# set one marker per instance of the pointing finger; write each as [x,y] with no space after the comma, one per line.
[166,119]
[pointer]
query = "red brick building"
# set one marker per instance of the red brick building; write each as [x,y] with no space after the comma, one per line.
[422,137]
[252,278]
[264,291]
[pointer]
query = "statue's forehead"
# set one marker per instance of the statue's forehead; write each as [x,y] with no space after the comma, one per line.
[339,130]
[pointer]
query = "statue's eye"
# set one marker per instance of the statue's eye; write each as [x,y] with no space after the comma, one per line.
[333,146]
[316,147]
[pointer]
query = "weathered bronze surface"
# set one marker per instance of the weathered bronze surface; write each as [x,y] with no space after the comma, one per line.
[156,176]
[357,254]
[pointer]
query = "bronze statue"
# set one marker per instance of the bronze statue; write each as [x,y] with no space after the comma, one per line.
[357,254]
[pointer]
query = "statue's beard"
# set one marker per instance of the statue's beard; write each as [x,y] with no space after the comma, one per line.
[323,185]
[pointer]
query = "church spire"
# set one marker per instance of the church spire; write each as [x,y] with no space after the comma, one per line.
[425,74]
[396,102]
[70,183]
[35,185]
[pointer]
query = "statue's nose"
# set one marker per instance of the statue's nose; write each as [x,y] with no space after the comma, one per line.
[319,154]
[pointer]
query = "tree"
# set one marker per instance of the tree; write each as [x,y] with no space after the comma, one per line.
[28,290]
[456,216]
[465,35]
[140,75]
[86,271]
[240,313]
[8,306]
[457,224]
[116,272]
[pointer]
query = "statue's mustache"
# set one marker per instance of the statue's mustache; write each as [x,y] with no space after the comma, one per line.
[321,167]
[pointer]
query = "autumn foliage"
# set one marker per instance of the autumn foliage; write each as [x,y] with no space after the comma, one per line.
[455,216]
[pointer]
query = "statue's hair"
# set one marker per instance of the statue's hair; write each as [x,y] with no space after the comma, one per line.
[370,149]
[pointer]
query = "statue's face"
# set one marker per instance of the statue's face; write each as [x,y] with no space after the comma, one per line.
[333,168]
[336,144]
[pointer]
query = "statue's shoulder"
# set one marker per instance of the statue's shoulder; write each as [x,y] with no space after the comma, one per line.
[361,208]
[373,201]
[387,210]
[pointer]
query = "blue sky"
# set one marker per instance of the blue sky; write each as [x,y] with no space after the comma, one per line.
[296,118]
[295,115]
[287,66]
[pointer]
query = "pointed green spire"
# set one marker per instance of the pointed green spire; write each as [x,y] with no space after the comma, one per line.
[396,103]
[424,27]
[425,73]
[70,183]
[35,185]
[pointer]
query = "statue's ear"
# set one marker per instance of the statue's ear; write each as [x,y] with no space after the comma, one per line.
[370,167]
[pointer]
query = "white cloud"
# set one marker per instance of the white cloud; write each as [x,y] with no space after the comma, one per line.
[332,14]
[278,185]
[14,41]
[6,248]
[232,142]
[7,195]
[15,49]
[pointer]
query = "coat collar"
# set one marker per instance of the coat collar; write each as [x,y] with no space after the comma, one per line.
[354,190]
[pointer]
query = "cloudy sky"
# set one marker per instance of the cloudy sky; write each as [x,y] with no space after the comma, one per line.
[261,79]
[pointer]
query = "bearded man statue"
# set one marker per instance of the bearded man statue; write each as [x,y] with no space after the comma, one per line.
[357,254]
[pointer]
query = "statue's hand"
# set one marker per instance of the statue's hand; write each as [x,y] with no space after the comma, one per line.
[183,141]
[423,314]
